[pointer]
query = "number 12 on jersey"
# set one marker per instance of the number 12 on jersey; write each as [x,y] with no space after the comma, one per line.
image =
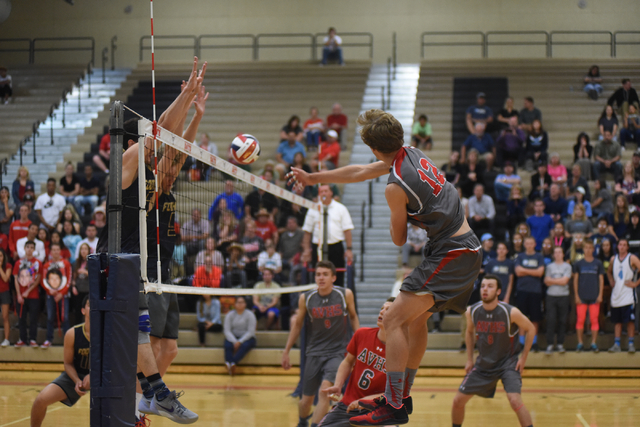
[425,167]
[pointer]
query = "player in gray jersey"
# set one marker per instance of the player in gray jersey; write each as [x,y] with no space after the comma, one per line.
[326,308]
[416,192]
[493,326]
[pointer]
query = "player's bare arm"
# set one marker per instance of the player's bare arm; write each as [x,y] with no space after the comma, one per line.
[343,175]
[351,308]
[397,201]
[635,264]
[295,332]
[524,325]
[345,368]
[575,287]
[610,271]
[469,339]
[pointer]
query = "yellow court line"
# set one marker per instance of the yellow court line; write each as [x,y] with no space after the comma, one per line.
[580,418]
[28,418]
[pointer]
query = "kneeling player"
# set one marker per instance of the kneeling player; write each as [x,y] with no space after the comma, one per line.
[73,383]
[496,326]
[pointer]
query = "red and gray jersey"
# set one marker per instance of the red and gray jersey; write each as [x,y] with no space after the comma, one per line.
[327,329]
[434,204]
[496,337]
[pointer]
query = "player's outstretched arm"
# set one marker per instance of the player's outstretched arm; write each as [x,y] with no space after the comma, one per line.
[343,175]
[345,368]
[295,332]
[351,308]
[397,201]
[469,340]
[524,325]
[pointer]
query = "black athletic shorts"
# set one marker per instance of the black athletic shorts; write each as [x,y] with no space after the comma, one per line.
[624,314]
[318,369]
[448,271]
[339,417]
[5,298]
[164,314]
[483,383]
[67,385]
[530,304]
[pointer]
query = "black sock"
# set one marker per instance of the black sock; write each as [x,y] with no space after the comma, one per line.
[144,384]
[157,386]
[456,425]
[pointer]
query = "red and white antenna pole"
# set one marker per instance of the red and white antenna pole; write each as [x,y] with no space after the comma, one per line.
[155,152]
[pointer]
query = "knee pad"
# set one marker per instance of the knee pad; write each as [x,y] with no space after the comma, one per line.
[144,322]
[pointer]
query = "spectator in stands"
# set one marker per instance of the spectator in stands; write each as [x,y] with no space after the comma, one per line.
[99,218]
[421,133]
[480,141]
[253,245]
[577,180]
[588,286]
[208,315]
[267,304]
[235,203]
[608,121]
[338,121]
[472,173]
[196,231]
[523,229]
[529,268]
[537,143]
[329,154]
[630,130]
[633,232]
[559,237]
[259,200]
[516,206]
[593,82]
[69,213]
[265,227]
[481,211]
[177,264]
[6,89]
[56,282]
[628,185]
[603,233]
[207,275]
[27,274]
[235,276]
[511,143]
[69,184]
[49,205]
[269,258]
[286,153]
[293,125]
[555,204]
[606,252]
[620,218]
[582,152]
[623,295]
[603,203]
[579,199]
[579,223]
[71,239]
[313,128]
[209,250]
[503,268]
[19,229]
[92,239]
[517,246]
[557,277]
[227,230]
[20,185]
[528,114]
[56,238]
[453,169]
[203,169]
[557,171]
[505,181]
[623,97]
[207,144]
[290,244]
[239,333]
[43,236]
[540,223]
[506,113]
[7,209]
[479,113]
[39,250]
[332,49]
[607,156]
[89,188]
[29,200]
[5,296]
[416,239]
[102,159]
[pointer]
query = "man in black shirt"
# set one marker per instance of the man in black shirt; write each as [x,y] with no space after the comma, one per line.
[623,97]
[89,188]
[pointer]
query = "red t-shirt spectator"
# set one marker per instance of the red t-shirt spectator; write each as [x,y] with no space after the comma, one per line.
[338,119]
[4,286]
[65,268]
[330,151]
[64,253]
[314,124]
[105,143]
[207,279]
[17,231]
[266,230]
[34,268]
[4,242]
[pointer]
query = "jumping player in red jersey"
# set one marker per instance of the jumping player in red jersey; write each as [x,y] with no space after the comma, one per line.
[364,366]
[419,193]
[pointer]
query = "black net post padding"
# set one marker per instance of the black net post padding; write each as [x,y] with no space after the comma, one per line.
[114,288]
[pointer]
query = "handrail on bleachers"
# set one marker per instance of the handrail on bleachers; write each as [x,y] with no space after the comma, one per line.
[34,49]
[369,43]
[617,43]
[544,43]
[27,49]
[480,43]
[251,45]
[193,45]
[310,45]
[609,43]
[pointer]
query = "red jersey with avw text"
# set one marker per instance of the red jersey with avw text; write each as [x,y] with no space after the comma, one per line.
[369,375]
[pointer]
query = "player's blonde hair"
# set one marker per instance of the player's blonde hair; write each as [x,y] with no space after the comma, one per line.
[381,131]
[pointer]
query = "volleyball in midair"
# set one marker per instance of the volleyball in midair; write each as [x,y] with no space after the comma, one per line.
[245,148]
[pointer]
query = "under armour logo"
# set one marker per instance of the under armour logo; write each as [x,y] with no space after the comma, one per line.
[490,316]
[324,301]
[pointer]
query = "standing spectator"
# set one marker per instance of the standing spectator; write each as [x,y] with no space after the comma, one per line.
[506,113]
[80,283]
[421,133]
[234,201]
[557,277]
[603,203]
[89,188]
[270,259]
[239,333]
[39,250]
[453,169]
[195,232]
[540,223]
[529,269]
[621,276]
[479,113]
[293,125]
[620,217]
[332,49]
[20,185]
[578,181]
[6,90]
[540,183]
[481,211]
[7,208]
[479,140]
[630,130]
[267,304]
[71,239]
[259,200]
[633,233]
[537,143]
[579,223]
[503,268]
[208,315]
[608,122]
[102,159]
[69,184]
[511,143]
[623,97]
[210,250]
[286,153]
[49,205]
[528,114]
[416,239]
[336,230]
[56,281]
[91,239]
[516,206]
[557,170]
[207,275]
[5,296]
[26,277]
[517,246]
[582,152]
[329,154]
[313,128]
[505,181]
[235,276]
[338,121]
[588,285]
[555,204]
[593,83]
[290,241]
[253,245]
[576,251]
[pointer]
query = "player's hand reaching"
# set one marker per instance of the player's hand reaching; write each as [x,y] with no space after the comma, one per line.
[354,406]
[298,178]
[468,366]
[286,362]
[333,392]
[520,365]
[200,100]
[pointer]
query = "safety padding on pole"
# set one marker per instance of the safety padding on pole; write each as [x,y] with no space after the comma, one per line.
[114,289]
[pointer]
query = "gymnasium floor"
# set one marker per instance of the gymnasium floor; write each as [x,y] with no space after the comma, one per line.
[262,401]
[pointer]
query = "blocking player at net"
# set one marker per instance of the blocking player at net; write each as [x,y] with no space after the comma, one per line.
[493,326]
[416,192]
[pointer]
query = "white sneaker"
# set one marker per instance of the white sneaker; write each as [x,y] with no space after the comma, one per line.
[560,348]
[549,350]
[146,407]
[5,343]
[170,407]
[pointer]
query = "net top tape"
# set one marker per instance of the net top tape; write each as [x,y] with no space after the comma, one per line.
[192,290]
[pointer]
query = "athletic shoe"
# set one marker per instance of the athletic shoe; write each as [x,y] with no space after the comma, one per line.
[228,366]
[143,421]
[19,344]
[615,349]
[5,343]
[632,349]
[579,348]
[46,344]
[384,415]
[170,407]
[535,347]
[560,348]
[33,344]
[595,348]
[146,407]
[370,405]
[549,350]
[232,370]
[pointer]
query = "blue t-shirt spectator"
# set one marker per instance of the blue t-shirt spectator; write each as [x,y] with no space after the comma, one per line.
[530,284]
[480,112]
[483,144]
[235,204]
[288,152]
[540,227]
[503,270]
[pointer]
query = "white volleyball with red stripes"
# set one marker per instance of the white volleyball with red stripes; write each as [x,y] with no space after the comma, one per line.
[245,148]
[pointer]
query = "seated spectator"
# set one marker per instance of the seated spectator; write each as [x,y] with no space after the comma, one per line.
[453,169]
[577,180]
[206,144]
[267,304]
[517,246]
[602,233]
[528,114]
[481,211]
[338,121]
[69,184]
[227,230]
[286,153]
[464,201]
[71,239]
[628,185]
[603,203]
[265,227]
[7,209]
[69,213]
[20,185]
[207,275]
[537,143]
[209,250]
[102,159]
[89,188]
[239,333]
[608,122]
[555,204]
[56,282]
[195,232]
[579,199]
[235,276]
[270,259]
[329,154]
[234,201]
[579,222]
[540,223]
[27,273]
[620,218]
[559,237]
[588,286]
[582,152]
[505,181]
[208,315]
[253,245]
[49,206]
[557,171]
[607,156]
[5,295]
[421,133]
[56,239]
[478,140]
[293,125]
[593,83]
[472,173]
[177,266]
[505,114]
[511,144]
[39,250]
[623,97]
[479,113]
[416,239]
[633,232]
[6,90]
[259,200]
[99,218]
[202,171]
[332,50]
[540,183]
[91,239]
[18,229]
[557,278]
[516,206]
[313,129]
[630,129]
[576,250]
[43,236]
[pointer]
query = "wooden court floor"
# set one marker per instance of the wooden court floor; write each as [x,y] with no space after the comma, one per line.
[262,401]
